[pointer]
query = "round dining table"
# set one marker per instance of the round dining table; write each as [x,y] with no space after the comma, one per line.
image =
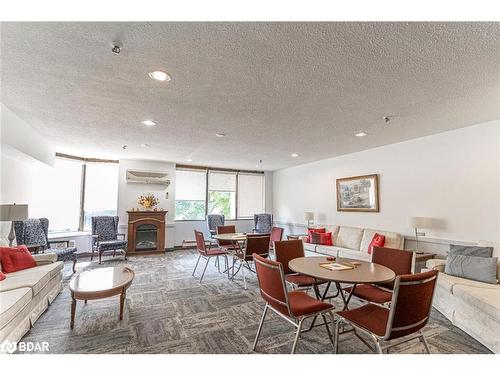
[359,272]
[234,237]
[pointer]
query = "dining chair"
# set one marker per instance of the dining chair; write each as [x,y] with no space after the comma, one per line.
[408,313]
[263,223]
[254,244]
[226,244]
[400,261]
[206,253]
[276,235]
[294,306]
[213,221]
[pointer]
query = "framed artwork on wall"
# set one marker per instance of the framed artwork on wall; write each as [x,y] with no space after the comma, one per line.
[358,194]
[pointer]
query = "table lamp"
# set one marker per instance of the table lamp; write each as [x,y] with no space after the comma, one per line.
[309,217]
[13,212]
[419,222]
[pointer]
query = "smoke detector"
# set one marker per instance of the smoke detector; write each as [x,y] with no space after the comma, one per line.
[116,48]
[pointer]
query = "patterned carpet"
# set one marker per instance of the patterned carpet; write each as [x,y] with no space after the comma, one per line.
[168,311]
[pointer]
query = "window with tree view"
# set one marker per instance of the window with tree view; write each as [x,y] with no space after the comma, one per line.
[222,193]
[190,194]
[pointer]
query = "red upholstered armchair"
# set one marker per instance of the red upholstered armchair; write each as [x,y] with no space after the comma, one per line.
[207,253]
[294,306]
[409,312]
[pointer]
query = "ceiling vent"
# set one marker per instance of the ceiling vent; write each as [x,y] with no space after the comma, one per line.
[145,177]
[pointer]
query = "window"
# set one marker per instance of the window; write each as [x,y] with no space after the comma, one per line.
[101,191]
[190,194]
[57,195]
[222,193]
[251,194]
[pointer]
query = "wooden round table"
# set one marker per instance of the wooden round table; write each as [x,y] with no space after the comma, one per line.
[362,273]
[100,283]
[235,237]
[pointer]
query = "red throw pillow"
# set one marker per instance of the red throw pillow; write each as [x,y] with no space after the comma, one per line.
[2,276]
[314,230]
[377,240]
[16,259]
[322,238]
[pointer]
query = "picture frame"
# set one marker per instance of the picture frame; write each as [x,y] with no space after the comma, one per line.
[358,194]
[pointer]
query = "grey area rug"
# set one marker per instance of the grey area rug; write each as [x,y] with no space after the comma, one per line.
[169,311]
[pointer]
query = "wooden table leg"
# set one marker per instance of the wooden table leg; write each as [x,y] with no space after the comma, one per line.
[122,302]
[73,311]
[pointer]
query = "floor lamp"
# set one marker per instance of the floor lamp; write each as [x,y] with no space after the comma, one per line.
[13,212]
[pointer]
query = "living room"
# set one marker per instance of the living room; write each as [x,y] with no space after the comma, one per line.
[200,188]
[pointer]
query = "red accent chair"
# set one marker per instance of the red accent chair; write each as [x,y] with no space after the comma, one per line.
[400,261]
[225,244]
[206,253]
[254,244]
[409,312]
[294,307]
[276,235]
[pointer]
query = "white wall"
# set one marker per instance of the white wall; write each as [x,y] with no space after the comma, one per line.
[452,176]
[128,193]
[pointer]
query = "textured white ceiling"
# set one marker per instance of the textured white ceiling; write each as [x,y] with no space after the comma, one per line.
[273,88]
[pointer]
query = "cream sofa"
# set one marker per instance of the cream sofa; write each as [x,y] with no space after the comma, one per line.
[25,295]
[470,305]
[350,242]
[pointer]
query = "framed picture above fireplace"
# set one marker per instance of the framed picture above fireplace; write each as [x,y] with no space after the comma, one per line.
[358,194]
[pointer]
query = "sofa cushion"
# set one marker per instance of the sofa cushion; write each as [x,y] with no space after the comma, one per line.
[392,240]
[327,250]
[448,282]
[472,267]
[354,254]
[350,238]
[17,259]
[322,238]
[377,240]
[474,251]
[496,253]
[35,278]
[11,303]
[486,300]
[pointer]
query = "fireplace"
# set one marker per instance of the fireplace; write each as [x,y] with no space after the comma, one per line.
[146,232]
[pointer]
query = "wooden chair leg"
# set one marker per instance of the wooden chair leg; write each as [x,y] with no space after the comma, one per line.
[100,254]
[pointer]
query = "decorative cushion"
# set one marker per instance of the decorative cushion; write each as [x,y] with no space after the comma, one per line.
[377,240]
[475,251]
[2,276]
[393,240]
[16,259]
[496,252]
[471,267]
[112,245]
[321,238]
[313,230]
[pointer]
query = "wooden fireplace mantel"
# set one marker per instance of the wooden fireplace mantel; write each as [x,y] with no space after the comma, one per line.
[138,218]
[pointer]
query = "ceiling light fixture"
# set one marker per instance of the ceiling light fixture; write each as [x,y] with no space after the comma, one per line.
[294,155]
[160,76]
[220,135]
[145,145]
[361,134]
[190,160]
[148,123]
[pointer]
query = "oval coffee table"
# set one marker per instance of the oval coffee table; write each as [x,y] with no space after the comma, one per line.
[100,283]
[362,273]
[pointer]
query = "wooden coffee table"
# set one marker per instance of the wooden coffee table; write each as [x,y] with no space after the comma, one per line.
[100,283]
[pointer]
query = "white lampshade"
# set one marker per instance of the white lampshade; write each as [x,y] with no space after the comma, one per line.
[13,212]
[420,222]
[309,216]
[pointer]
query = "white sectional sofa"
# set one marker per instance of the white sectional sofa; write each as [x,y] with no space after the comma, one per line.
[471,305]
[25,295]
[350,242]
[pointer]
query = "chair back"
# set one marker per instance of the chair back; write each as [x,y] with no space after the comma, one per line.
[105,227]
[215,220]
[276,235]
[411,303]
[263,223]
[32,232]
[400,261]
[272,284]
[256,244]
[285,251]
[223,229]
[200,242]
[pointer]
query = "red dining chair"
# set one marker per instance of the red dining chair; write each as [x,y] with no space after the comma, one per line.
[409,312]
[276,235]
[206,253]
[400,261]
[254,244]
[226,244]
[294,307]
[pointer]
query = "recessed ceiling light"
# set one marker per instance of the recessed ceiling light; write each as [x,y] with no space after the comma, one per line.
[294,155]
[361,134]
[220,135]
[160,76]
[256,165]
[145,145]
[148,123]
[189,159]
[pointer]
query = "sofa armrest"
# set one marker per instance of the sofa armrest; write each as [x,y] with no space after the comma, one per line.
[436,264]
[45,258]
